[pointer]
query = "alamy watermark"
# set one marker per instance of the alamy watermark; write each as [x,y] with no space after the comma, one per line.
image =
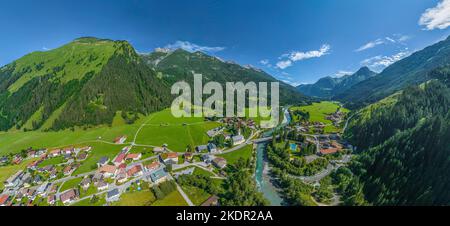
[193,104]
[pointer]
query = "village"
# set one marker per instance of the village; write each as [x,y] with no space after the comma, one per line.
[112,177]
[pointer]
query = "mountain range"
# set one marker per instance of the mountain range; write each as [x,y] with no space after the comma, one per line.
[89,80]
[328,87]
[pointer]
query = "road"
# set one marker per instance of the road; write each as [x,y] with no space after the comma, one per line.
[330,168]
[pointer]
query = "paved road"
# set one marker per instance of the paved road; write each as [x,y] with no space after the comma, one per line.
[186,198]
[330,168]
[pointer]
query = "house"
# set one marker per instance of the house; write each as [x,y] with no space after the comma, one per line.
[68,170]
[219,162]
[54,153]
[4,200]
[212,148]
[158,149]
[51,199]
[188,156]
[153,166]
[169,158]
[113,195]
[133,156]
[85,183]
[207,158]
[211,201]
[121,175]
[201,148]
[17,160]
[33,165]
[31,154]
[3,159]
[53,173]
[102,185]
[97,177]
[119,159]
[86,149]
[31,193]
[120,140]
[103,161]
[14,180]
[42,190]
[82,156]
[213,132]
[69,196]
[37,179]
[328,151]
[238,139]
[108,171]
[158,176]
[135,171]
[26,180]
[68,151]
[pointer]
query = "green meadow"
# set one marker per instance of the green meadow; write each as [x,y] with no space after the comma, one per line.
[245,153]
[319,111]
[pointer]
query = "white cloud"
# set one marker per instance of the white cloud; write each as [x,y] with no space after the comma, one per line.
[370,45]
[264,62]
[342,73]
[298,56]
[191,47]
[437,17]
[45,48]
[284,64]
[380,62]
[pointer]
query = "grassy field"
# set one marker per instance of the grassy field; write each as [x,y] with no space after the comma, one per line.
[195,194]
[319,111]
[137,198]
[160,127]
[71,184]
[52,161]
[173,199]
[7,171]
[245,153]
[98,151]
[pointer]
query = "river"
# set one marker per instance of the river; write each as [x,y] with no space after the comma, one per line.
[262,176]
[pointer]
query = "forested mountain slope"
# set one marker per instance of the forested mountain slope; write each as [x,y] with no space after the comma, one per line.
[82,83]
[177,65]
[404,145]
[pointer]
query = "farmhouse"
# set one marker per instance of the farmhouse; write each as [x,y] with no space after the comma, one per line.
[201,148]
[153,166]
[211,201]
[103,161]
[113,195]
[85,183]
[133,156]
[135,171]
[169,158]
[54,153]
[120,140]
[108,171]
[238,139]
[102,185]
[119,159]
[188,156]
[212,148]
[69,196]
[219,162]
[158,176]
[51,199]
[4,200]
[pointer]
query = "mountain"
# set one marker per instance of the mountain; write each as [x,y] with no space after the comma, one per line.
[411,70]
[403,143]
[330,86]
[177,65]
[84,82]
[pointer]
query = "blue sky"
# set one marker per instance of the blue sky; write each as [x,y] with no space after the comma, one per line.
[296,41]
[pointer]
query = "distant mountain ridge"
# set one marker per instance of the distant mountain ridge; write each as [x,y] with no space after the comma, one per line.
[411,70]
[177,65]
[328,87]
